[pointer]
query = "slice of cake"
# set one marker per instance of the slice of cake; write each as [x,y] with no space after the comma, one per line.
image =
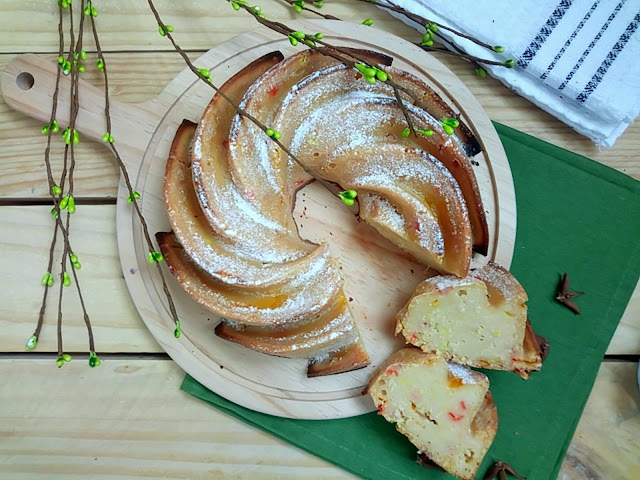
[480,321]
[444,409]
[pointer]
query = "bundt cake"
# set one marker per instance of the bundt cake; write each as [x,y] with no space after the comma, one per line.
[229,193]
[294,308]
[443,408]
[480,321]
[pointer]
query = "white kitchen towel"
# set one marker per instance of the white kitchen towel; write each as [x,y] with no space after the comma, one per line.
[577,59]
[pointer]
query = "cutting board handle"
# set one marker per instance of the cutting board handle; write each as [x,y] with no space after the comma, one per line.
[28,83]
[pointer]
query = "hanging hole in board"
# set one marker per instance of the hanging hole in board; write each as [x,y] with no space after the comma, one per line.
[25,81]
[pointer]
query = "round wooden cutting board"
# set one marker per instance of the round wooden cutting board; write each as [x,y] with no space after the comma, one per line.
[379,277]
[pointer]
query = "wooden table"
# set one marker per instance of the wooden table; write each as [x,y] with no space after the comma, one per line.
[128,419]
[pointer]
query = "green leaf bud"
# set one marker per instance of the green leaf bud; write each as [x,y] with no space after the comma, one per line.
[64,202]
[382,76]
[136,195]
[452,122]
[71,207]
[31,343]
[204,72]
[349,194]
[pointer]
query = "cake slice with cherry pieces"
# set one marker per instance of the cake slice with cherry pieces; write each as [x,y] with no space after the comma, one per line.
[480,321]
[443,408]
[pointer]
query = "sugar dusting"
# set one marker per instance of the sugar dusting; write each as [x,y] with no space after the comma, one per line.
[462,372]
[327,110]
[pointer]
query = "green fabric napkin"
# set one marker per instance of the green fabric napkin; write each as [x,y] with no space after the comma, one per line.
[574,215]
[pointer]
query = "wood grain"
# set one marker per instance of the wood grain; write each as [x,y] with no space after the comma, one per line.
[117,326]
[606,443]
[200,24]
[152,430]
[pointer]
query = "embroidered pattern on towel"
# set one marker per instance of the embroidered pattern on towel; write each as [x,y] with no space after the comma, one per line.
[569,40]
[544,33]
[602,70]
[591,45]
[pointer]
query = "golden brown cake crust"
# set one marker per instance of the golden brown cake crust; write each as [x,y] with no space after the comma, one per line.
[351,357]
[500,283]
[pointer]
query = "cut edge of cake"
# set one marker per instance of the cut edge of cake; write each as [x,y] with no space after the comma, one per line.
[442,317]
[453,421]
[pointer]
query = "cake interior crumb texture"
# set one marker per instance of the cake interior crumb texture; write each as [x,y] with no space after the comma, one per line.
[462,324]
[444,410]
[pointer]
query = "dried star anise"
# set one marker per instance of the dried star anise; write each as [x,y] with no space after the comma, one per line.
[564,296]
[500,469]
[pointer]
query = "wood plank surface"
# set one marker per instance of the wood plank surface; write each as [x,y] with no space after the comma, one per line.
[128,419]
[152,430]
[198,24]
[118,327]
